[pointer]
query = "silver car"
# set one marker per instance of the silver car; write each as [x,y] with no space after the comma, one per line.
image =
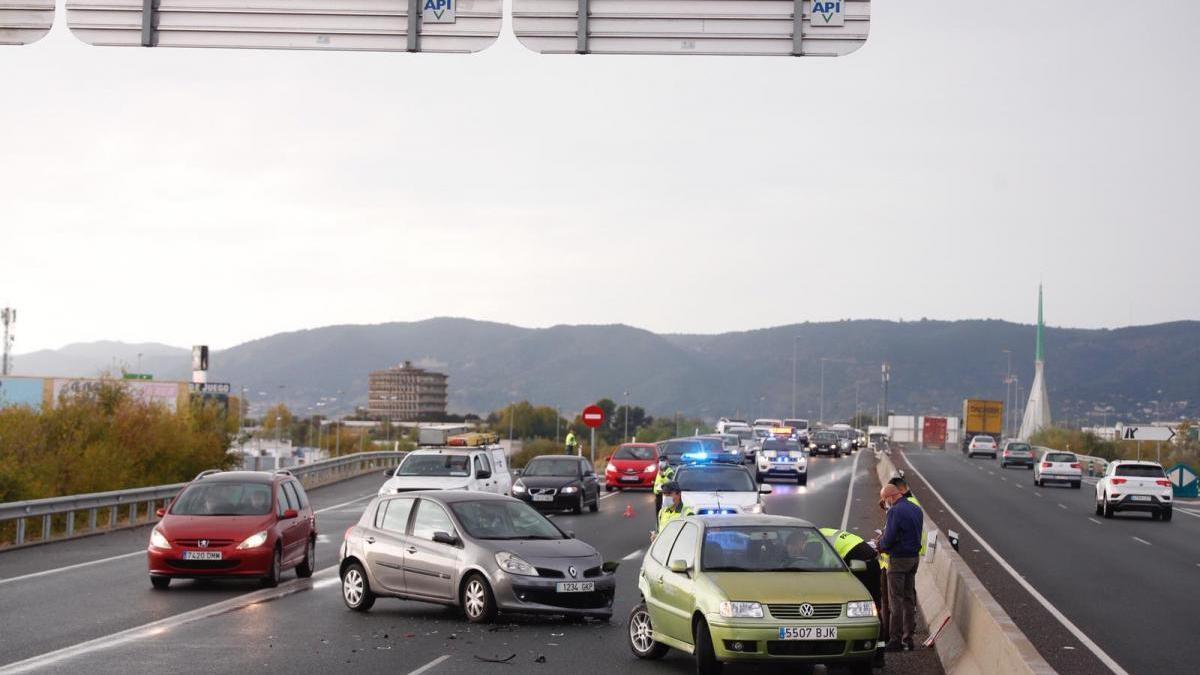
[481,552]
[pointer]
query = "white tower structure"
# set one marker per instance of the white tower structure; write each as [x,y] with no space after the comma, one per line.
[1037,410]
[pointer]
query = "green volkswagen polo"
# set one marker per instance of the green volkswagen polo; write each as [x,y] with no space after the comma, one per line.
[751,588]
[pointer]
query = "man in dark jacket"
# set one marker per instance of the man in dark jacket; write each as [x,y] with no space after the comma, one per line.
[901,540]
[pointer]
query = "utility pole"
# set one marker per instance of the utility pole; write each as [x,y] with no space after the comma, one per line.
[512,412]
[822,409]
[625,412]
[886,374]
[8,316]
[557,418]
[795,340]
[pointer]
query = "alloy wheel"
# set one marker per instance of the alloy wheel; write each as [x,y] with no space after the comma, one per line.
[474,598]
[641,634]
[352,587]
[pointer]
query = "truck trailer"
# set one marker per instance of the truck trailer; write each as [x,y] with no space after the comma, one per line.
[982,417]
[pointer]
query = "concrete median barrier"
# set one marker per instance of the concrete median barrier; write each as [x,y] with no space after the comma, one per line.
[980,638]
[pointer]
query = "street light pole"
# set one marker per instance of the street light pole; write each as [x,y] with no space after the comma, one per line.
[795,341]
[626,414]
[822,408]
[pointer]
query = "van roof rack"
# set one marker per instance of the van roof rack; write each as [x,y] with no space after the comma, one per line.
[206,472]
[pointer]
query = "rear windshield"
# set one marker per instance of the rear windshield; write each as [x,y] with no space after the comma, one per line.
[559,466]
[435,465]
[1019,447]
[226,498]
[1140,471]
[715,479]
[635,452]
[824,437]
[984,439]
[1061,457]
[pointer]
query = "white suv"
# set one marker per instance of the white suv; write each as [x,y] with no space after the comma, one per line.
[981,445]
[482,469]
[1134,486]
[1057,467]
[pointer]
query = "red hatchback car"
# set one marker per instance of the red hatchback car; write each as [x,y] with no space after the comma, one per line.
[234,524]
[633,465]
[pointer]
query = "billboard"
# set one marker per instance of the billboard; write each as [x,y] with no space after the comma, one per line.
[161,393]
[21,391]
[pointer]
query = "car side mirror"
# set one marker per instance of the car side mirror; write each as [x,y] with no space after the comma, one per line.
[290,513]
[160,513]
[483,473]
[858,566]
[765,489]
[516,473]
[610,566]
[570,534]
[679,567]
[389,473]
[445,538]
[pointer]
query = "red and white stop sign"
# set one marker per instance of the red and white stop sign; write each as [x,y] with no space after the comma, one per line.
[593,416]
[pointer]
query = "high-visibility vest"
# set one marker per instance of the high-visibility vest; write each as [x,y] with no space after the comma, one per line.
[669,513]
[842,540]
[570,439]
[664,476]
[917,504]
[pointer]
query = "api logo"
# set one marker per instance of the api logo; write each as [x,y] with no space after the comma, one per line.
[437,11]
[828,13]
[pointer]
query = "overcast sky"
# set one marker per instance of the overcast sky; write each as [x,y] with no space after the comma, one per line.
[968,151]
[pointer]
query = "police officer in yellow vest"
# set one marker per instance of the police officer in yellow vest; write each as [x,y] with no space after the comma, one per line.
[571,442]
[675,509]
[850,546]
[665,473]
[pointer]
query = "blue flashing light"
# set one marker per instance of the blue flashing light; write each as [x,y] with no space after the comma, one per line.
[695,456]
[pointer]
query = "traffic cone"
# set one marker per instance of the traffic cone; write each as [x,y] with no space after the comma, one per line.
[629,511]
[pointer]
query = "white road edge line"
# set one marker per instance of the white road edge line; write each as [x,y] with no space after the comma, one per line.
[431,665]
[633,555]
[1079,634]
[1139,539]
[1095,521]
[611,494]
[71,567]
[338,506]
[850,491]
[155,628]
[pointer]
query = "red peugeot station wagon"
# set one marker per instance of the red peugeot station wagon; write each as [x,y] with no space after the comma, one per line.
[234,524]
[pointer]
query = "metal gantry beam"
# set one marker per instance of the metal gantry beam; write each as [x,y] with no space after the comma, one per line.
[148,23]
[582,31]
[798,28]
[413,32]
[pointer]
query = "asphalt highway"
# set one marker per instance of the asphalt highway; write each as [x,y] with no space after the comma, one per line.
[104,617]
[1129,583]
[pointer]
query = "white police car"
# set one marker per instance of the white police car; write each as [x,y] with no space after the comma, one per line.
[716,489]
[782,459]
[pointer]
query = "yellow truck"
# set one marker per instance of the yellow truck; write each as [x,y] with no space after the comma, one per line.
[982,417]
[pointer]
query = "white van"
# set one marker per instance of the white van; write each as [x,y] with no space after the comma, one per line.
[483,469]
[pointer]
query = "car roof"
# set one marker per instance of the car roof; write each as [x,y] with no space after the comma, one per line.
[243,476]
[750,520]
[574,457]
[453,496]
[713,466]
[638,445]
[1142,462]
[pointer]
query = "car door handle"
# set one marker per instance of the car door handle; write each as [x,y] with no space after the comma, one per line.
[411,550]
[659,581]
[370,540]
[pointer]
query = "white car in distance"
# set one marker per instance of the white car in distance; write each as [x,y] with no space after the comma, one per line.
[482,469]
[982,445]
[1134,486]
[1057,467]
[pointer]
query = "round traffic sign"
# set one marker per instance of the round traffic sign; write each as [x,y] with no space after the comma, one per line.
[593,416]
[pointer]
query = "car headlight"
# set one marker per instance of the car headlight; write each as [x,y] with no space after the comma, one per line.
[610,468]
[157,540]
[254,541]
[518,487]
[741,610]
[569,490]
[650,469]
[513,564]
[812,446]
[861,610]
[755,508]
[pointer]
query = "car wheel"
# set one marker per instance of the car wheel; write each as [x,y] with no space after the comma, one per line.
[1003,465]
[1074,485]
[1037,482]
[1099,509]
[160,583]
[356,590]
[641,635]
[609,488]
[1166,516]
[578,508]
[758,477]
[595,505]
[307,566]
[706,658]
[802,480]
[1108,509]
[478,603]
[272,578]
[863,667]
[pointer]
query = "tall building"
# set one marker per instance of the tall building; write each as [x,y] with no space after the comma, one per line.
[407,394]
[1037,410]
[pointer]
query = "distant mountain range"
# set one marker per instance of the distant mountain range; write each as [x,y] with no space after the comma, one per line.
[1140,372]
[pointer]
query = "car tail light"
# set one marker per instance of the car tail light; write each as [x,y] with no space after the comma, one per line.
[1045,465]
[1076,466]
[1164,482]
[1118,481]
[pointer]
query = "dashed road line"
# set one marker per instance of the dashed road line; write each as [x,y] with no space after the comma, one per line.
[431,665]
[72,567]
[1095,521]
[1139,539]
[1062,506]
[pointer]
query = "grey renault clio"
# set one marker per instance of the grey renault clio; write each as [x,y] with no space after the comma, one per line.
[480,552]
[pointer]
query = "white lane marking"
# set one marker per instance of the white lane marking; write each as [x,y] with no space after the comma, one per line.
[71,567]
[156,628]
[1190,513]
[850,491]
[991,473]
[322,539]
[326,582]
[338,506]
[611,494]
[1079,634]
[1038,494]
[1139,539]
[1062,506]
[1003,478]
[633,555]
[1095,521]
[430,666]
[1019,485]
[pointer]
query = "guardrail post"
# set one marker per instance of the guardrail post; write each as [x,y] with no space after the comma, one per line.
[70,523]
[133,513]
[413,31]
[46,527]
[91,520]
[798,28]
[581,45]
[112,517]
[148,23]
[20,530]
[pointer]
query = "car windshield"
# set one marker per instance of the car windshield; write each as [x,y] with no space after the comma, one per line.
[730,441]
[635,452]
[559,466]
[1060,457]
[767,549]
[824,437]
[715,479]
[435,465]
[1018,447]
[224,498]
[1140,471]
[781,446]
[742,434]
[503,519]
[674,450]
[796,424]
[842,433]
[984,439]
[762,433]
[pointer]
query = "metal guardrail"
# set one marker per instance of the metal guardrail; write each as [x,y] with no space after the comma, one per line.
[124,508]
